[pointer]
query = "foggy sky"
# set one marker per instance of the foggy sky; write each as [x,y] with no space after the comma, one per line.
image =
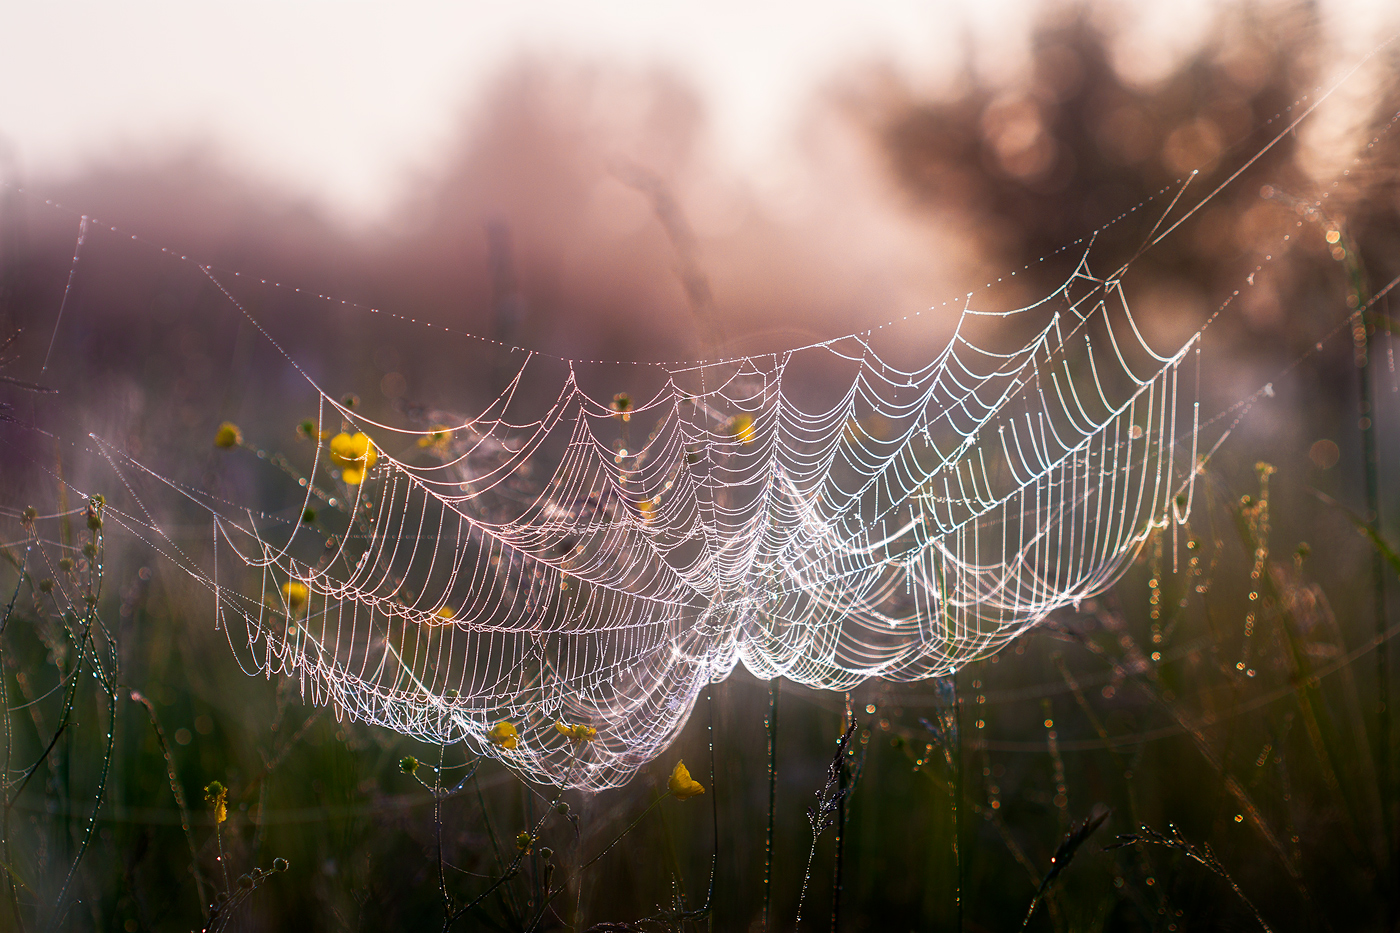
[344,103]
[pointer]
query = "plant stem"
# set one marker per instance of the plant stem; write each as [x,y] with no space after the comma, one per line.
[10,880]
[102,780]
[843,784]
[1357,298]
[957,797]
[772,723]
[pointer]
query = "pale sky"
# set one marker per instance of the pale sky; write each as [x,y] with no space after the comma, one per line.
[339,101]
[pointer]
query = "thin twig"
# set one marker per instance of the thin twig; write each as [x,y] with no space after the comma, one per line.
[1201,855]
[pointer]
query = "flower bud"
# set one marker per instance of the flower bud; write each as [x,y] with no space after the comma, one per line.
[228,435]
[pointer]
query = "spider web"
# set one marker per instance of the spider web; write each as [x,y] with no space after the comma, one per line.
[601,563]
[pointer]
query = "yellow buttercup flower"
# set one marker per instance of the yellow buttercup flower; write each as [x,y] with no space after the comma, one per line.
[503,735]
[579,734]
[296,594]
[681,784]
[228,435]
[647,509]
[741,428]
[354,454]
[446,614]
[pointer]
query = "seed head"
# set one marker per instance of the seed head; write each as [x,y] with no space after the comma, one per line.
[228,435]
[216,795]
[622,406]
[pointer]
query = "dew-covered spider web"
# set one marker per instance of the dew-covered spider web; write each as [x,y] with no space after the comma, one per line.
[602,562]
[582,563]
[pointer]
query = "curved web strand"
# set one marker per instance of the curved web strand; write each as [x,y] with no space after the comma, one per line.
[548,571]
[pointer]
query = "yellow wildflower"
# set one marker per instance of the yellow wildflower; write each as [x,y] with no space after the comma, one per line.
[436,438]
[216,795]
[354,454]
[647,508]
[741,428]
[296,594]
[681,784]
[503,734]
[579,734]
[228,435]
[446,614]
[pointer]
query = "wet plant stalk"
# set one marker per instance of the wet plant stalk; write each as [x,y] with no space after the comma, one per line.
[957,796]
[708,908]
[111,688]
[772,801]
[844,785]
[1361,341]
[11,883]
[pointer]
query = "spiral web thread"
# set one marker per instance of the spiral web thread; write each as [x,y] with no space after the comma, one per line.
[547,571]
